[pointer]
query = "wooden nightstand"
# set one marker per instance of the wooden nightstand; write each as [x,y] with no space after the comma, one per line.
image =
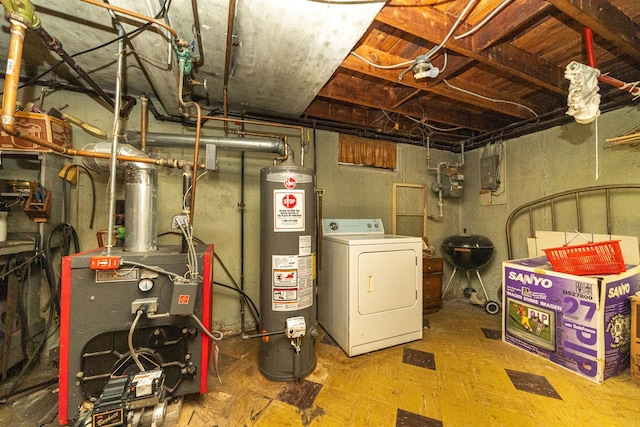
[431,284]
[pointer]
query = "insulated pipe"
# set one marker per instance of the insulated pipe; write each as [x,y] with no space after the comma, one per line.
[16,42]
[224,143]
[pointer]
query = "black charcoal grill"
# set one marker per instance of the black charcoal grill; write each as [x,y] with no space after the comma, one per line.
[469,252]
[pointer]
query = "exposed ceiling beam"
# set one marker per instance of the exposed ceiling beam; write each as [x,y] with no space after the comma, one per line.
[391,75]
[605,20]
[433,25]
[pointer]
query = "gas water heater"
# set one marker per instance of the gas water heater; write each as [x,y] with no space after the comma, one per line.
[287,272]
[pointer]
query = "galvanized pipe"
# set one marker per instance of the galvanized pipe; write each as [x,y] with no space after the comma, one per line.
[111,195]
[224,143]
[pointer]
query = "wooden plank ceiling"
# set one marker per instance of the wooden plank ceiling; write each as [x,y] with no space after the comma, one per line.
[501,70]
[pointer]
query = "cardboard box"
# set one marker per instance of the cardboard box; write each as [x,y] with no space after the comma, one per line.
[579,322]
[40,126]
[634,369]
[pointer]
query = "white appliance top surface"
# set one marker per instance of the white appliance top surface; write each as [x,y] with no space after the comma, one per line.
[344,226]
[371,239]
[351,231]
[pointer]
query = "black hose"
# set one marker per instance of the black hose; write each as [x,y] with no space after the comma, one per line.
[255,312]
[67,231]
[54,302]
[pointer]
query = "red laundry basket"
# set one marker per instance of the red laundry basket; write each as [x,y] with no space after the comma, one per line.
[588,259]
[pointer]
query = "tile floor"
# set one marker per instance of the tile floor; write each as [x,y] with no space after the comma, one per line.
[459,374]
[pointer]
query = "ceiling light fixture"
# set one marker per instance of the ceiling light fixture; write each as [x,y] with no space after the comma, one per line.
[422,68]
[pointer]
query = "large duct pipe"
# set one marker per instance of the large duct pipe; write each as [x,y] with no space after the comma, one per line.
[141,188]
[224,143]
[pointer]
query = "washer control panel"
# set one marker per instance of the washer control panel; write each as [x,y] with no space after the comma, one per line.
[352,226]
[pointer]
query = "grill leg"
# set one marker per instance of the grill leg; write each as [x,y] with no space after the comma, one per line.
[455,269]
[482,285]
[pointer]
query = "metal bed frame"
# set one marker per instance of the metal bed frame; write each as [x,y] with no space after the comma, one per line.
[550,200]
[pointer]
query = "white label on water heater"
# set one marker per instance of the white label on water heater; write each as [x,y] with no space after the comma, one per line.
[304,245]
[288,212]
[292,285]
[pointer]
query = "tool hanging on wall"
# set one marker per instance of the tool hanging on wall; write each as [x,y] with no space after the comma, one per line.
[93,130]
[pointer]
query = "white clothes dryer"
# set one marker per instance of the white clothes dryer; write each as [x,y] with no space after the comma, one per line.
[370,292]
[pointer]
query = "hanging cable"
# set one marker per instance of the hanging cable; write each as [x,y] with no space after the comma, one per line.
[484,21]
[132,349]
[487,98]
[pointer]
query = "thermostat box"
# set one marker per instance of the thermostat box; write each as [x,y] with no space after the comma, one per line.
[579,322]
[42,126]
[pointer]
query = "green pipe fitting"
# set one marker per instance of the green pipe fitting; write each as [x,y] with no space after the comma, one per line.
[22,11]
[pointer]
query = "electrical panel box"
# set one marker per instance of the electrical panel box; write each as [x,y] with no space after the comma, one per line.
[489,175]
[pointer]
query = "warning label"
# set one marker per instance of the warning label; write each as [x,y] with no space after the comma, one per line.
[288,210]
[292,282]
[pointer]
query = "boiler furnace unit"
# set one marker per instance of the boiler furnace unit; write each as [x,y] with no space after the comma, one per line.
[370,296]
[104,341]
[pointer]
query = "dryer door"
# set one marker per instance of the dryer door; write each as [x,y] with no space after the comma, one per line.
[387,280]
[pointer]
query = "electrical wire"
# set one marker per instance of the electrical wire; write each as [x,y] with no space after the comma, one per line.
[453,28]
[172,276]
[255,312]
[53,304]
[214,335]
[132,349]
[247,297]
[486,19]
[382,67]
[489,99]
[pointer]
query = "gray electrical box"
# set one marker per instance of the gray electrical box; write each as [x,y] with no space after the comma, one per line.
[489,176]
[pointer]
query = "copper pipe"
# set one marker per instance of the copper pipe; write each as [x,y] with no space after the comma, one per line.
[196,153]
[196,24]
[9,104]
[144,113]
[12,77]
[196,148]
[133,15]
